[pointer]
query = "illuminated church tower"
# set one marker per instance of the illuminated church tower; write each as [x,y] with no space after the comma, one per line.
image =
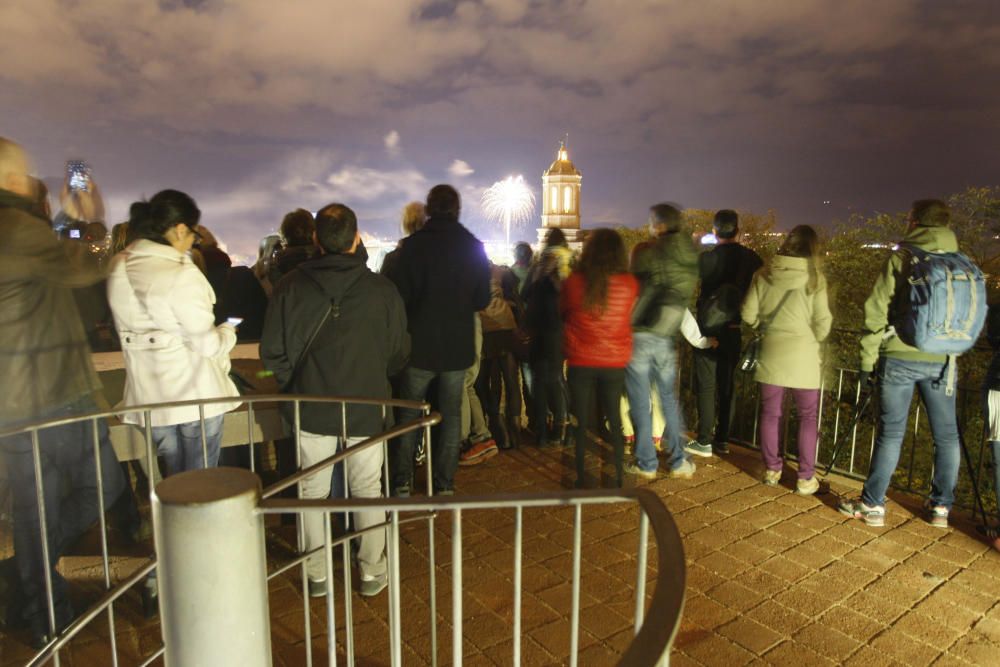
[561,198]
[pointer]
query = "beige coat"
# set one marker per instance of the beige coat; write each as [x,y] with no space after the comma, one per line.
[790,354]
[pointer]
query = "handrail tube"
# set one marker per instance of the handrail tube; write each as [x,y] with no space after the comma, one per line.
[394,432]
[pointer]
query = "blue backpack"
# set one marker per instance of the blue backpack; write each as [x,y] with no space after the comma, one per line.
[942,307]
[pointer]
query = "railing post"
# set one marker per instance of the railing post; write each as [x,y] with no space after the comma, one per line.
[212,569]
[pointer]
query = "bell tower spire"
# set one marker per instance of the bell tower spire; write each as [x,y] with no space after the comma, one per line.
[561,196]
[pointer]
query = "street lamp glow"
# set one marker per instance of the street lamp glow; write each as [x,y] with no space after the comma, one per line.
[509,202]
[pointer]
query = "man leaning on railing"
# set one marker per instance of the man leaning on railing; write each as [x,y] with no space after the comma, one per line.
[47,371]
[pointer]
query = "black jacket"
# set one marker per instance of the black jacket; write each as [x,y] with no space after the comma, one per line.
[444,278]
[727,264]
[355,351]
[541,302]
[993,336]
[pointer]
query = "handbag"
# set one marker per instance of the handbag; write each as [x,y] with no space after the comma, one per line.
[750,358]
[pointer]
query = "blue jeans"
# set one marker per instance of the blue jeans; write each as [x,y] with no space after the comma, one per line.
[654,362]
[180,444]
[444,453]
[69,484]
[897,381]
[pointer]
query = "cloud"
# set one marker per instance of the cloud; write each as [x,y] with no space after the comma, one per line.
[460,168]
[391,142]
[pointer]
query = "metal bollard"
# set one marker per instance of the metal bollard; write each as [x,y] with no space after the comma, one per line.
[212,569]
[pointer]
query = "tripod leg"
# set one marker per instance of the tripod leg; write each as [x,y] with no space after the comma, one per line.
[859,411]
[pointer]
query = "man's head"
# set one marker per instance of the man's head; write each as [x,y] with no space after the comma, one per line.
[443,202]
[337,230]
[14,169]
[522,254]
[726,224]
[929,213]
[664,219]
[297,227]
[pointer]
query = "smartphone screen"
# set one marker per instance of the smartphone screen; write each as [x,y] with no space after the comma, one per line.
[235,321]
[78,175]
[74,233]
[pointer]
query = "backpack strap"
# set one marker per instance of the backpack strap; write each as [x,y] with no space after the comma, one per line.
[765,322]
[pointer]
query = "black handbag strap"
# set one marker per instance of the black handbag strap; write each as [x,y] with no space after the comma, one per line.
[765,322]
[332,309]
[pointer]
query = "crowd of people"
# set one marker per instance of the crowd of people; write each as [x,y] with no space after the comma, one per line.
[547,352]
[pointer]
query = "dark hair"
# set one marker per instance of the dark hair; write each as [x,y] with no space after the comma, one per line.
[802,242]
[930,213]
[603,256]
[666,215]
[168,208]
[443,202]
[555,237]
[523,253]
[336,228]
[297,227]
[726,223]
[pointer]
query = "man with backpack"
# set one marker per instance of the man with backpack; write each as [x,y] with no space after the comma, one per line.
[725,271]
[334,328]
[927,306]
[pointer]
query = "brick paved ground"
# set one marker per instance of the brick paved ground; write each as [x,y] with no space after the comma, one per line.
[773,578]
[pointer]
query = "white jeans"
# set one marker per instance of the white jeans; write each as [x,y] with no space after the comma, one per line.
[364,480]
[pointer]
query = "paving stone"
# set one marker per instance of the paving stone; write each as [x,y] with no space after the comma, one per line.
[827,641]
[779,618]
[976,601]
[957,618]
[927,629]
[850,534]
[735,595]
[555,637]
[794,653]
[851,623]
[714,649]
[810,557]
[750,634]
[723,564]
[763,582]
[933,565]
[713,537]
[867,656]
[977,649]
[701,579]
[786,569]
[871,560]
[707,612]
[950,553]
[903,648]
[875,607]
[852,576]
[989,628]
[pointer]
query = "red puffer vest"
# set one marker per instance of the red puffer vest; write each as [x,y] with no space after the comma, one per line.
[602,340]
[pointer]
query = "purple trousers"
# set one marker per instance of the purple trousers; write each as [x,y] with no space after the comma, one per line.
[807,403]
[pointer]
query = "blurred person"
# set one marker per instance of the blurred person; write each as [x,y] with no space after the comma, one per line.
[905,368]
[523,255]
[544,324]
[43,208]
[789,298]
[666,269]
[498,378]
[443,275]
[217,265]
[46,363]
[725,272]
[120,238]
[596,304]
[350,350]
[991,411]
[478,444]
[297,231]
[413,219]
[269,246]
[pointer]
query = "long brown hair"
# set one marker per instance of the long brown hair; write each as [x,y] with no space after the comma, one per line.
[802,242]
[603,256]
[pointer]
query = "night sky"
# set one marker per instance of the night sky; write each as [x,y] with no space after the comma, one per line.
[256,107]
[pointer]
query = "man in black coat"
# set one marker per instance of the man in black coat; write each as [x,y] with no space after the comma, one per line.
[725,272]
[444,278]
[335,328]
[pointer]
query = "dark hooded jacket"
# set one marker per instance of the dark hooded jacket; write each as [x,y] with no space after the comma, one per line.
[44,355]
[361,344]
[444,278]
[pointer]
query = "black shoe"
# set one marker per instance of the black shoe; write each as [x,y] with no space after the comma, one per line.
[720,447]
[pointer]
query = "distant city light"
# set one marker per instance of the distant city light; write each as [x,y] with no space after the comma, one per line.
[508,202]
[709,239]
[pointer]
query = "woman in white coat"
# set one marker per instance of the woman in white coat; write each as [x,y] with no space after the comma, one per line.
[162,305]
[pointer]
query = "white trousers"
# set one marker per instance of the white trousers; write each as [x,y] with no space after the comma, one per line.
[364,480]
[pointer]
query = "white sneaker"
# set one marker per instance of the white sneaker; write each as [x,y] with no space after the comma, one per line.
[771,477]
[807,487]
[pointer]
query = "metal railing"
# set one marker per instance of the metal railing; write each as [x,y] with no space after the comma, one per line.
[653,637]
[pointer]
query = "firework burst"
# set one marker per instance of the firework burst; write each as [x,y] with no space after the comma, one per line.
[509,202]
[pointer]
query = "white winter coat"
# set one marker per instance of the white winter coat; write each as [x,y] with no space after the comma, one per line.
[162,305]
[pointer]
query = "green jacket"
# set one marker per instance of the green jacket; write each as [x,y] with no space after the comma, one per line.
[45,358]
[669,260]
[877,338]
